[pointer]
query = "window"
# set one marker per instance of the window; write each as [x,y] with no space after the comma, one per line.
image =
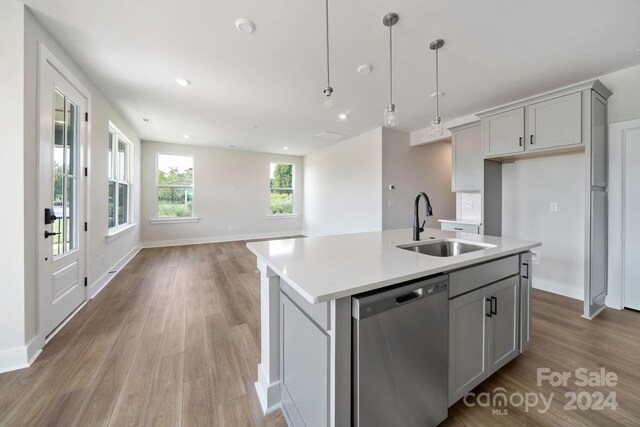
[175,186]
[281,187]
[119,153]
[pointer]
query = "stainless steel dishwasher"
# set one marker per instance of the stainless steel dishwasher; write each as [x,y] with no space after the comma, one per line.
[400,355]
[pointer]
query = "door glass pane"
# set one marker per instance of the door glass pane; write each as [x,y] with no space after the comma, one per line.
[65,183]
[123,203]
[71,217]
[112,204]
[71,147]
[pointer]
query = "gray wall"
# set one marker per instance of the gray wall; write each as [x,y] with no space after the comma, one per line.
[231,195]
[411,170]
[342,186]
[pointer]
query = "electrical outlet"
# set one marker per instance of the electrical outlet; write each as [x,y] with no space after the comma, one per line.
[535,257]
[391,203]
[553,207]
[468,204]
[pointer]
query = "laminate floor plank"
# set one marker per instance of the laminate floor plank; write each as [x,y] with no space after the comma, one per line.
[175,340]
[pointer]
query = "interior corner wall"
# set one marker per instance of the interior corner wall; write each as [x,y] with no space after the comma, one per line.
[342,186]
[101,256]
[623,104]
[230,197]
[528,188]
[13,249]
[412,169]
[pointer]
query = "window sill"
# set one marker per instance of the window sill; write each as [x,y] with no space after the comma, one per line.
[178,220]
[118,232]
[282,216]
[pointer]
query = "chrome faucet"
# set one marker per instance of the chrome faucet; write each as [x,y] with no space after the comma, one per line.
[416,228]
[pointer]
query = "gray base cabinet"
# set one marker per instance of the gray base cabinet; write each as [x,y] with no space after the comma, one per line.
[486,325]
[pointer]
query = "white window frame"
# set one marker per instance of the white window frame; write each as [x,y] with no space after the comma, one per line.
[113,176]
[294,213]
[175,219]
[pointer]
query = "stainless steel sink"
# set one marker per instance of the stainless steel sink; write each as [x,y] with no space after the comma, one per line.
[444,248]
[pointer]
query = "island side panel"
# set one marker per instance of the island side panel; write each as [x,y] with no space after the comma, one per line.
[340,385]
[268,384]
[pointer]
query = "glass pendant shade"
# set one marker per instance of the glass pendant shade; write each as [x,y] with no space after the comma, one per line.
[437,127]
[328,101]
[390,116]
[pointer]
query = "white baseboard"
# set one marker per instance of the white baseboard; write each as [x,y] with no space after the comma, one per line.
[104,280]
[268,393]
[558,288]
[219,239]
[14,359]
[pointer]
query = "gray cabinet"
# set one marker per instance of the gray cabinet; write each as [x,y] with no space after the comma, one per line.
[526,273]
[467,343]
[554,123]
[503,133]
[484,334]
[466,164]
[504,344]
[304,367]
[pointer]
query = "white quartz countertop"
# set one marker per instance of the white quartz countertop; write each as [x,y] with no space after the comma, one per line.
[331,267]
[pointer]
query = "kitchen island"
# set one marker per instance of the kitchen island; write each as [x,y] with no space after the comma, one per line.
[307,285]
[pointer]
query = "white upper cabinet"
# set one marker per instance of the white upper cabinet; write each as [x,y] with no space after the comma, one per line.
[467,159]
[503,133]
[554,123]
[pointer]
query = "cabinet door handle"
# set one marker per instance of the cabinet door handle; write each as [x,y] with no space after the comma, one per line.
[520,142]
[494,307]
[531,139]
[458,228]
[490,313]
[526,275]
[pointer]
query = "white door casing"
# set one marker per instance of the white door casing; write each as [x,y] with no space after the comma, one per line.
[624,230]
[62,142]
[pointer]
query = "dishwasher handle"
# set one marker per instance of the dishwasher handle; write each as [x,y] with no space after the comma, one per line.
[415,294]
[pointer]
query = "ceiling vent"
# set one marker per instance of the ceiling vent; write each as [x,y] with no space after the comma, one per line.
[329,135]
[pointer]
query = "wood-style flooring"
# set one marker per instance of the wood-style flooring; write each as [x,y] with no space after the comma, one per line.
[174,340]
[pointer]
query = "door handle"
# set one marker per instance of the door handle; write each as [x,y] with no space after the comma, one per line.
[526,275]
[47,234]
[410,296]
[494,311]
[520,142]
[531,139]
[490,313]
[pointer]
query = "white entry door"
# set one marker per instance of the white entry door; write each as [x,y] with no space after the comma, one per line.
[631,203]
[62,138]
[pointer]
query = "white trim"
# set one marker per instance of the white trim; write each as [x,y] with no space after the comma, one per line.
[615,190]
[174,220]
[218,239]
[311,234]
[13,359]
[558,288]
[282,216]
[269,395]
[105,279]
[114,233]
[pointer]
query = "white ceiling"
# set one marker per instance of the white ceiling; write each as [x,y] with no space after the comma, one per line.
[496,51]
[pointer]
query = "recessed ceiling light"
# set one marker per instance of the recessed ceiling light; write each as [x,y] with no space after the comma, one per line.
[342,116]
[187,136]
[365,68]
[245,25]
[181,81]
[286,148]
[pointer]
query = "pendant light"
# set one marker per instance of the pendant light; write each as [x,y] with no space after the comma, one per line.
[390,113]
[328,91]
[437,126]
